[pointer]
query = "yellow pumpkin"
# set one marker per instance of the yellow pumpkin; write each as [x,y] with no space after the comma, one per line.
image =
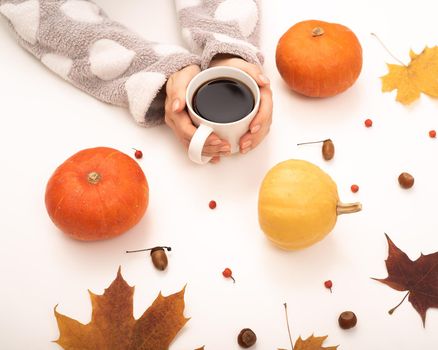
[299,204]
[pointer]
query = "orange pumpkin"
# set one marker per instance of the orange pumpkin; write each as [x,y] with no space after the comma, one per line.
[319,59]
[97,193]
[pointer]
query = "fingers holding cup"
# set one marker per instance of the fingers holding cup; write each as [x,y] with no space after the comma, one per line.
[261,123]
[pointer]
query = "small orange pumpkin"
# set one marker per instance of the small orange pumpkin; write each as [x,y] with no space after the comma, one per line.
[319,59]
[97,193]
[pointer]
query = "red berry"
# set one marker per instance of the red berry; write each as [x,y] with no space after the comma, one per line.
[368,123]
[354,188]
[138,154]
[328,284]
[432,133]
[227,273]
[212,204]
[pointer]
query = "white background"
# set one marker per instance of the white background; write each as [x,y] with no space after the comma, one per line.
[45,120]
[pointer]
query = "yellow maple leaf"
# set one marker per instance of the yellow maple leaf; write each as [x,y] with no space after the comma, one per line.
[312,343]
[113,325]
[420,75]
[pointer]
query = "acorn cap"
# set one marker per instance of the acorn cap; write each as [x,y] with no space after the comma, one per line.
[156,249]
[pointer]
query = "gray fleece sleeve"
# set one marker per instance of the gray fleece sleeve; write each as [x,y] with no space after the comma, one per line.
[77,41]
[213,27]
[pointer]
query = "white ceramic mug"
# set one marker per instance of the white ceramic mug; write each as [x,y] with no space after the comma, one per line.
[232,132]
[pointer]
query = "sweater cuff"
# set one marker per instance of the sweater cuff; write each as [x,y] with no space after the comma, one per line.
[222,44]
[146,91]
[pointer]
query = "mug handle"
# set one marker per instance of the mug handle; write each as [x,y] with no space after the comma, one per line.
[197,144]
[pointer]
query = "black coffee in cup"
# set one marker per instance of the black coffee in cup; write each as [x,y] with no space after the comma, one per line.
[223,100]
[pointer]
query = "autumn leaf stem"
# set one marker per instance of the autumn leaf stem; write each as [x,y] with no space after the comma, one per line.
[144,250]
[394,308]
[387,50]
[309,143]
[288,328]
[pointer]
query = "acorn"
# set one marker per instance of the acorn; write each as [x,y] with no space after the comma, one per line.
[328,148]
[158,256]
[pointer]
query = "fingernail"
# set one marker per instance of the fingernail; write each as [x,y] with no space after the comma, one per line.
[264,79]
[246,144]
[226,154]
[215,143]
[175,105]
[255,129]
[224,149]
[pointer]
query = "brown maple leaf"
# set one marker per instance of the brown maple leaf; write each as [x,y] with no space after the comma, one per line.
[113,325]
[419,278]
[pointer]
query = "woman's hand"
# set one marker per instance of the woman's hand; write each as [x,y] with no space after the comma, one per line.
[261,123]
[178,120]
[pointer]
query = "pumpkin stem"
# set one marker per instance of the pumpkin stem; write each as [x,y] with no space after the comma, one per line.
[317,31]
[94,178]
[348,208]
[381,43]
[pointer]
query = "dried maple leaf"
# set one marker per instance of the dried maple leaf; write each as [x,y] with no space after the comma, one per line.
[420,75]
[113,325]
[311,343]
[419,278]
